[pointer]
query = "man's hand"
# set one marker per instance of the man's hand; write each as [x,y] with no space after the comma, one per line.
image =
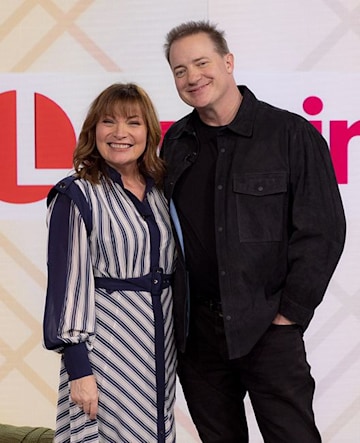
[281,320]
[85,394]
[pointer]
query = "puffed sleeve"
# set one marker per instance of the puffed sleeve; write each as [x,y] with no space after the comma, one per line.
[317,224]
[69,316]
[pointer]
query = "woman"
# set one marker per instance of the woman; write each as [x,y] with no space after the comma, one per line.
[110,258]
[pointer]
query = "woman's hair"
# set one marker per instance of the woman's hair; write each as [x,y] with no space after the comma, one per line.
[192,28]
[118,98]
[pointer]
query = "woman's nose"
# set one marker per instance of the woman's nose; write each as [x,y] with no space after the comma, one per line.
[120,130]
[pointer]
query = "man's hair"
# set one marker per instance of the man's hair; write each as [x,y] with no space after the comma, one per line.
[192,28]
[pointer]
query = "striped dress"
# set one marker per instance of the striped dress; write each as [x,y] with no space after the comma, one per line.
[128,333]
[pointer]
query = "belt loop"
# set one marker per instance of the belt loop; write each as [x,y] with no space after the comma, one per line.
[216,307]
[156,281]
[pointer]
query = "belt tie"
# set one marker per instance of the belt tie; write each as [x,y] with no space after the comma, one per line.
[154,282]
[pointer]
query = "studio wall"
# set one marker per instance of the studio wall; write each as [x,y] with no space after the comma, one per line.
[57,55]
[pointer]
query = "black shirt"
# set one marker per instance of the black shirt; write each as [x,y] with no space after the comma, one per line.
[194,199]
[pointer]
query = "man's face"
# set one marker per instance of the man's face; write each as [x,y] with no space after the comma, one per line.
[202,76]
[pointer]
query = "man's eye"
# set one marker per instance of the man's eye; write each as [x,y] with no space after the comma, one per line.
[180,73]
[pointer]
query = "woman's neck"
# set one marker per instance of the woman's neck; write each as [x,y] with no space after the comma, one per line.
[135,183]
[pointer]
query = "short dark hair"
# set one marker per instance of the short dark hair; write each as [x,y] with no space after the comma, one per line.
[192,28]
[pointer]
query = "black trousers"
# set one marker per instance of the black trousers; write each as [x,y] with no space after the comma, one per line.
[275,375]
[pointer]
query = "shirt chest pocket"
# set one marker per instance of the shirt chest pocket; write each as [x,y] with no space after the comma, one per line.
[261,205]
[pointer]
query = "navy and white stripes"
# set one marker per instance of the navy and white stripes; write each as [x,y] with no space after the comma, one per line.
[118,327]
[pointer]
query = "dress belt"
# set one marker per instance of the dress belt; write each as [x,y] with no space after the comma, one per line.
[154,282]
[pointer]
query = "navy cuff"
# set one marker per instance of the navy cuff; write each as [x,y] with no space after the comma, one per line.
[76,361]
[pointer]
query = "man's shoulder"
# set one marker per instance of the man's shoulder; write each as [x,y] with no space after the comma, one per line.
[269,109]
[178,127]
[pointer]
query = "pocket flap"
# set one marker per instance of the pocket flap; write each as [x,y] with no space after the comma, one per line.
[259,183]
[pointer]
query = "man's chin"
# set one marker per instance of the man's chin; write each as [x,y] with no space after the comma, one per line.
[197,103]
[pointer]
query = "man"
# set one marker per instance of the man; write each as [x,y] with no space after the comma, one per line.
[257,209]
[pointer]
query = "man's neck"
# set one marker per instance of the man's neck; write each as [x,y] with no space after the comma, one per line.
[224,114]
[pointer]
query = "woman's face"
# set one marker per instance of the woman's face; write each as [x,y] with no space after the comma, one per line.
[121,140]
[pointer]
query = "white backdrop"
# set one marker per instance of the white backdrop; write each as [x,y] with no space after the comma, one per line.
[57,55]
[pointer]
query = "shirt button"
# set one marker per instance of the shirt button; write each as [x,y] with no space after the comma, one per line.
[222,150]
[222,273]
[220,187]
[260,188]
[228,317]
[220,228]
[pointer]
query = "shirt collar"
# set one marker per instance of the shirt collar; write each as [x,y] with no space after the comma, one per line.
[242,124]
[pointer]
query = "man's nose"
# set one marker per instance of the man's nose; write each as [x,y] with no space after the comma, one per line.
[193,75]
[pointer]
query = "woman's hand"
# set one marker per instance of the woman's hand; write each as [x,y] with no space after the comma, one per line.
[84,393]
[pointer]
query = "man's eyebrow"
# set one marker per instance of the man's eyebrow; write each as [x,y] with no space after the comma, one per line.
[192,61]
[178,66]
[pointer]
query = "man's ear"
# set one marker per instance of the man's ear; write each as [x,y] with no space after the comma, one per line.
[229,62]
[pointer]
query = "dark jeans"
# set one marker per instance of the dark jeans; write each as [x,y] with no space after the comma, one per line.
[275,374]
